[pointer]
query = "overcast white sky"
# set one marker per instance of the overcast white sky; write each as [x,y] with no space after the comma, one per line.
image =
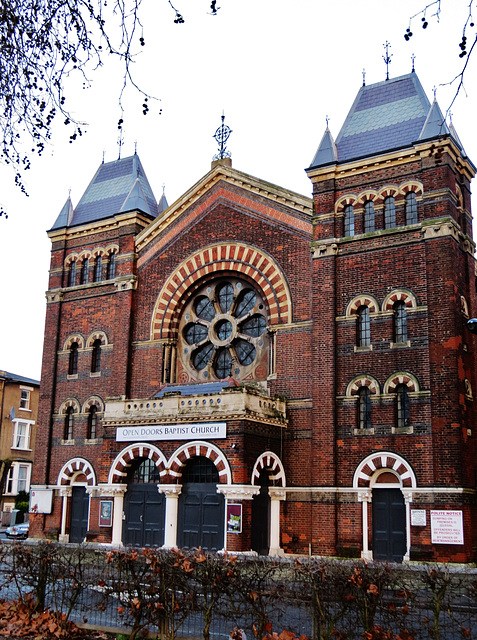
[276,67]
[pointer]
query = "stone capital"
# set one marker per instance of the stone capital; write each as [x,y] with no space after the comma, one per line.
[110,490]
[170,490]
[277,493]
[238,491]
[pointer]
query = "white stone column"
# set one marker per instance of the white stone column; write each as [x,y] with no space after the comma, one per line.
[172,492]
[365,497]
[407,500]
[115,491]
[277,494]
[65,493]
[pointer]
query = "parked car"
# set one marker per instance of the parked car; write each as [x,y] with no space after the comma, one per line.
[18,531]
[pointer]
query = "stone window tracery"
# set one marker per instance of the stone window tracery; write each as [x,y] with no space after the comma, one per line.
[223,332]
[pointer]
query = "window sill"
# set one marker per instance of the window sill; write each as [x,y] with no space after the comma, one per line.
[23,409]
[67,442]
[96,374]
[402,431]
[399,345]
[73,376]
[363,349]
[21,449]
[364,432]
[91,441]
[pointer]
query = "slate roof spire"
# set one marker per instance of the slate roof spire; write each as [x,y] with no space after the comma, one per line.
[386,116]
[116,187]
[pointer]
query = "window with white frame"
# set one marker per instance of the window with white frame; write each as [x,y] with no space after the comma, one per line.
[25,398]
[18,478]
[21,434]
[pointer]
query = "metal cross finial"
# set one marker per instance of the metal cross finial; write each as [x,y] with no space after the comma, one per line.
[387,58]
[120,142]
[450,116]
[413,57]
[222,134]
[135,147]
[434,90]
[103,155]
[327,118]
[364,77]
[163,189]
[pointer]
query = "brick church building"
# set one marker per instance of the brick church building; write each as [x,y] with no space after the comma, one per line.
[252,369]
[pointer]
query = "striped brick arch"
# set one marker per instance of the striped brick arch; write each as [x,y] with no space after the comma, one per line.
[76,467]
[232,258]
[119,468]
[362,381]
[270,460]
[183,454]
[401,378]
[378,462]
[398,296]
[362,301]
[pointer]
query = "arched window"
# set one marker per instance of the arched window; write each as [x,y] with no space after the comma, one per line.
[96,357]
[85,271]
[400,321]
[69,424]
[363,327]
[364,408]
[402,406]
[411,208]
[112,266]
[73,361]
[349,220]
[92,423]
[72,274]
[98,269]
[389,213]
[368,217]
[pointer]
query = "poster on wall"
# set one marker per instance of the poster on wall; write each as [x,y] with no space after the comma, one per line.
[234,518]
[106,513]
[447,527]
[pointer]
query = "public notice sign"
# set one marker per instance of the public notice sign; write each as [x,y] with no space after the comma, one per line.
[199,431]
[447,527]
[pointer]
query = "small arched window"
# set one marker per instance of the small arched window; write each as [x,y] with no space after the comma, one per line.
[98,269]
[112,266]
[73,361]
[364,408]
[369,217]
[402,406]
[400,321]
[389,213]
[349,220]
[92,423]
[411,208]
[72,274]
[69,424]
[85,271]
[96,357]
[363,327]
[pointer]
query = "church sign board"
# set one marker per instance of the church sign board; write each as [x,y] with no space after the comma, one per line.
[145,433]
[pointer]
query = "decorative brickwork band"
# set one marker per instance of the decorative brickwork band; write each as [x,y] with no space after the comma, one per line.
[236,258]
[74,468]
[270,460]
[377,462]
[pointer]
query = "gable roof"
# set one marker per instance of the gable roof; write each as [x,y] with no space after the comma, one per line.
[385,116]
[117,187]
[13,377]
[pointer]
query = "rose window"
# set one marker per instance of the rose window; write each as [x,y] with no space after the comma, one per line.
[223,331]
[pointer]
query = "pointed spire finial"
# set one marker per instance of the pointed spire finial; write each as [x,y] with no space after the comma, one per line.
[135,147]
[387,58]
[103,155]
[413,58]
[364,77]
[163,189]
[221,135]
[434,91]
[120,141]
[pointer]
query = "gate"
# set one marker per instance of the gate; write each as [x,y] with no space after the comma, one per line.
[201,510]
[389,525]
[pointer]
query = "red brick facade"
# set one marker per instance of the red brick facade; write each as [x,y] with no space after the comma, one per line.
[294,431]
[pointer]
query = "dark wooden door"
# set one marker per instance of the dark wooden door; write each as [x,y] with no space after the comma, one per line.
[389,525]
[144,511]
[201,517]
[79,514]
[261,520]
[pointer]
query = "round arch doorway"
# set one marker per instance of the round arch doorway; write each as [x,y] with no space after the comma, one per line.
[144,507]
[201,509]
